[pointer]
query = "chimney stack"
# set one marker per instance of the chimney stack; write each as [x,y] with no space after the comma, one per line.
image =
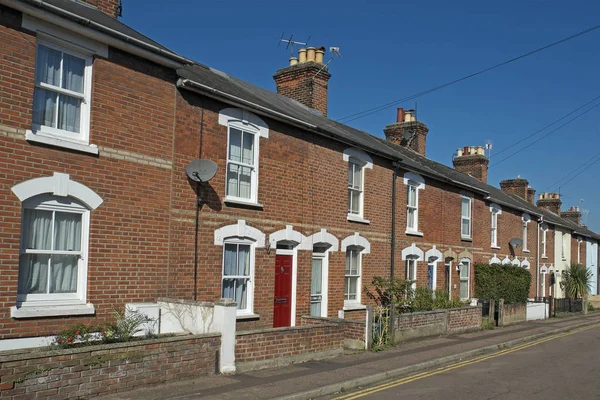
[306,79]
[531,195]
[572,214]
[472,160]
[519,187]
[407,131]
[550,202]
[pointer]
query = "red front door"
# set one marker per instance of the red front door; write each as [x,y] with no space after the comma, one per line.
[282,311]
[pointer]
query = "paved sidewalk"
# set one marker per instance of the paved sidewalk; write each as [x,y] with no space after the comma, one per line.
[304,381]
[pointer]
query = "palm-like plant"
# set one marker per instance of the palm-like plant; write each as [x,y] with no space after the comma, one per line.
[576,281]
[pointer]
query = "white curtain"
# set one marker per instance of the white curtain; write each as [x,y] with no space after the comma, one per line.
[69,113]
[236,263]
[73,71]
[67,236]
[44,107]
[33,268]
[47,66]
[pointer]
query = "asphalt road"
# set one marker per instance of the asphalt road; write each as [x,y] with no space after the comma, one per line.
[562,368]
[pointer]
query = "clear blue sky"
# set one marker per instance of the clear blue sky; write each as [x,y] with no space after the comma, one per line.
[393,49]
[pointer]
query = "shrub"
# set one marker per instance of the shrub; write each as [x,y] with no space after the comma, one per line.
[508,282]
[576,281]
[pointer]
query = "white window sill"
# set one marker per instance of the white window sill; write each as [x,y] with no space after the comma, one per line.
[526,251]
[241,202]
[495,247]
[356,218]
[51,311]
[466,238]
[67,144]
[543,256]
[354,307]
[247,316]
[414,233]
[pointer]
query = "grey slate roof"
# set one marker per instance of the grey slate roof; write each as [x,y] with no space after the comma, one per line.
[93,14]
[281,104]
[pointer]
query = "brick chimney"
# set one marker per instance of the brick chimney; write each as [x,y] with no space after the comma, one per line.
[407,131]
[306,79]
[472,160]
[519,187]
[550,202]
[531,195]
[572,214]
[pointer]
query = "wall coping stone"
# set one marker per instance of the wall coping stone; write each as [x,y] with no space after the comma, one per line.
[27,354]
[335,320]
[284,329]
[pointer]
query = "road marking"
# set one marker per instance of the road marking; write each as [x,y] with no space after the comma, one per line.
[426,374]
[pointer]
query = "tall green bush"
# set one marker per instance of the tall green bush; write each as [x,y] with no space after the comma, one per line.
[576,281]
[496,281]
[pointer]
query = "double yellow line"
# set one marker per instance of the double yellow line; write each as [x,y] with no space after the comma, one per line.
[426,374]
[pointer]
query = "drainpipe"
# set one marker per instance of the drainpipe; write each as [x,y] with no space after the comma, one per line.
[537,258]
[393,246]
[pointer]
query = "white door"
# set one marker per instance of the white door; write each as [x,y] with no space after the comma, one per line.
[318,286]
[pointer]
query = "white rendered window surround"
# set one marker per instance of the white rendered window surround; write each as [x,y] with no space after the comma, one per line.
[526,220]
[358,161]
[495,210]
[411,255]
[544,229]
[413,183]
[244,130]
[466,212]
[54,247]
[239,243]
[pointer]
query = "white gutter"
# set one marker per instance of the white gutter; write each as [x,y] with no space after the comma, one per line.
[93,30]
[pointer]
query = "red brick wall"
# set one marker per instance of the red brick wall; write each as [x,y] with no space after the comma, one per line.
[272,343]
[464,319]
[94,370]
[437,322]
[513,313]
[354,330]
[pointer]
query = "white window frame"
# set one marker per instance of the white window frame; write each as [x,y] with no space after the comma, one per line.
[56,204]
[526,220]
[245,129]
[417,183]
[495,210]
[357,168]
[60,134]
[250,280]
[324,257]
[544,229]
[563,246]
[579,250]
[469,217]
[357,301]
[364,161]
[465,262]
[411,269]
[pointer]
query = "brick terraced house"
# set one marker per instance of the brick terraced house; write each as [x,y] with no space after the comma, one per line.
[97,126]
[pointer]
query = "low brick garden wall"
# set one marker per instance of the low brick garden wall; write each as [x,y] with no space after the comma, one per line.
[271,347]
[353,331]
[93,370]
[436,323]
[513,314]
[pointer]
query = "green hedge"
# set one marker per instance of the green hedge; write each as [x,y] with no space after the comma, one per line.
[508,282]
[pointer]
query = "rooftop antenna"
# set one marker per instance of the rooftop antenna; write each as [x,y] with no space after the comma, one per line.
[335,52]
[488,147]
[290,43]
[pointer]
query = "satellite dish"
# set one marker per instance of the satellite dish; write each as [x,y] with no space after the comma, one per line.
[516,242]
[201,170]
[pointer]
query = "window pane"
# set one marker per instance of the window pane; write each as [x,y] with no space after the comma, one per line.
[411,218]
[243,260]
[466,208]
[412,196]
[37,229]
[316,286]
[354,201]
[235,144]
[245,176]
[232,180]
[73,71]
[464,270]
[248,152]
[464,289]
[236,289]
[466,231]
[63,274]
[47,66]
[69,113]
[33,273]
[44,107]
[67,231]
[357,176]
[350,288]
[350,174]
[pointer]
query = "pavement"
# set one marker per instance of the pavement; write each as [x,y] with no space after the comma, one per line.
[558,367]
[326,377]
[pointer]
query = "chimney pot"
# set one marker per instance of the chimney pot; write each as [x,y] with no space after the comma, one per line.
[293,61]
[319,55]
[400,115]
[302,55]
[310,54]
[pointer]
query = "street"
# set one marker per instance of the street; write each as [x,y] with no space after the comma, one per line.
[562,367]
